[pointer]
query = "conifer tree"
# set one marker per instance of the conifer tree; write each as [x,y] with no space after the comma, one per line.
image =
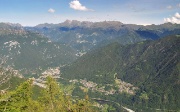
[20,99]
[52,99]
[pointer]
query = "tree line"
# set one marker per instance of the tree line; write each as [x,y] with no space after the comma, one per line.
[52,98]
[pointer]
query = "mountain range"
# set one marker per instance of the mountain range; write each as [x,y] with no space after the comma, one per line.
[85,35]
[131,65]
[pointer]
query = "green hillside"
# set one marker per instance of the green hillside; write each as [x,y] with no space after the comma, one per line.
[52,99]
[120,66]
[31,52]
[152,66]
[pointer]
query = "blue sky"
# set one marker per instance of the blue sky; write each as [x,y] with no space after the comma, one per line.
[33,12]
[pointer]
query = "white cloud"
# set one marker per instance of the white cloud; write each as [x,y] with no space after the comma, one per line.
[169,7]
[174,19]
[76,5]
[51,10]
[177,15]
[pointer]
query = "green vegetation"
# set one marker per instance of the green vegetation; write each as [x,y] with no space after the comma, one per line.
[153,66]
[52,99]
[30,52]
[117,73]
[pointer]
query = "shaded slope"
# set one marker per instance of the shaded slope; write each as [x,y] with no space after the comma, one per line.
[129,59]
[153,66]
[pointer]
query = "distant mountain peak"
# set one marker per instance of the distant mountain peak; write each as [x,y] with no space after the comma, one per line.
[68,21]
[14,24]
[9,25]
[71,22]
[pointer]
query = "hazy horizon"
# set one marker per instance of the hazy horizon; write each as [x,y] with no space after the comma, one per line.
[83,21]
[141,12]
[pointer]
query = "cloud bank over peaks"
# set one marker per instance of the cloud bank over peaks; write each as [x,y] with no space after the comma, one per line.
[173,19]
[51,10]
[76,5]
